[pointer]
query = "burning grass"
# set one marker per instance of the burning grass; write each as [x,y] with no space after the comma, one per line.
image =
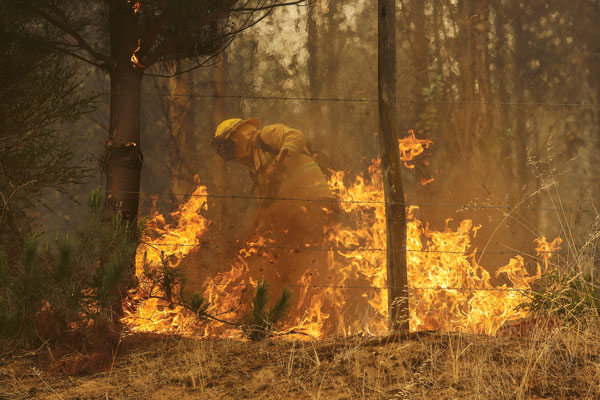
[549,361]
[549,350]
[448,289]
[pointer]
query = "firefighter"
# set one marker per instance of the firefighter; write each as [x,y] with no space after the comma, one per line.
[293,192]
[295,208]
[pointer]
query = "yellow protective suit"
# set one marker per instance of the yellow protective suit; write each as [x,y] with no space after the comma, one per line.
[283,168]
[295,210]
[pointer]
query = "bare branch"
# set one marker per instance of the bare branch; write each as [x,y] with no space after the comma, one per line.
[199,65]
[71,53]
[81,42]
[272,6]
[195,28]
[229,37]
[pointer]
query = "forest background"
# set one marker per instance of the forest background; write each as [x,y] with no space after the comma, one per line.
[507,91]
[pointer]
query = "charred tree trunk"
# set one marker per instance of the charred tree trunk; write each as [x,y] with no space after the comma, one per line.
[394,194]
[122,160]
[481,29]
[524,136]
[438,48]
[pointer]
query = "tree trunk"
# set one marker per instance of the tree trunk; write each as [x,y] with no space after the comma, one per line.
[394,194]
[466,81]
[122,161]
[438,11]
[332,41]
[182,137]
[420,55]
[312,43]
[501,86]
[481,29]
[122,153]
[220,205]
[521,60]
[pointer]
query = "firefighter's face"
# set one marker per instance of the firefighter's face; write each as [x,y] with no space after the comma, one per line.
[237,145]
[242,141]
[225,149]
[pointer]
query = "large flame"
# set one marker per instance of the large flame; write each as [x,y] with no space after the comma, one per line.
[448,289]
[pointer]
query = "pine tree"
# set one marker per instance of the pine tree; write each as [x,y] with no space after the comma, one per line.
[38,97]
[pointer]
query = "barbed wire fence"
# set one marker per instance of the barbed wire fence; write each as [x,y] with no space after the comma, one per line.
[459,207]
[339,99]
[207,244]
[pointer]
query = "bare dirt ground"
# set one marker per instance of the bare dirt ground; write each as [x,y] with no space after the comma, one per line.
[557,363]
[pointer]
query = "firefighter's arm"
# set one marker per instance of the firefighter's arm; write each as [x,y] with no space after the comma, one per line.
[284,140]
[294,142]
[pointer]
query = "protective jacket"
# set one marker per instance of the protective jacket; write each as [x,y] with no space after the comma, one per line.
[282,166]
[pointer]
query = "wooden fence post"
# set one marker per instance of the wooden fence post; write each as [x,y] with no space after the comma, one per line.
[392,169]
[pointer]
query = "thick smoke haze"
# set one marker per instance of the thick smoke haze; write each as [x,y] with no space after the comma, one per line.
[505,90]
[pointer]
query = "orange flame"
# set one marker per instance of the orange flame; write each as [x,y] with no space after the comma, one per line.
[410,147]
[159,243]
[134,57]
[448,289]
[136,7]
[426,181]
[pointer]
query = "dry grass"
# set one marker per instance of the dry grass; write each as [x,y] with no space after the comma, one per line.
[550,362]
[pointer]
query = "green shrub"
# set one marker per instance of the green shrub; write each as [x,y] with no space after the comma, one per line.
[570,297]
[74,279]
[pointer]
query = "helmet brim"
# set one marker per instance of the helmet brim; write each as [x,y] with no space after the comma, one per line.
[252,121]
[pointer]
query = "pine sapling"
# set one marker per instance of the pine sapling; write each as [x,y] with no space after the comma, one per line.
[260,323]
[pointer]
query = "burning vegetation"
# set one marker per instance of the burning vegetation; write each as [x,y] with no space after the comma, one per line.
[448,289]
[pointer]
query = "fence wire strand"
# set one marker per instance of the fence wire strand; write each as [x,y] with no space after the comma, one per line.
[277,285]
[358,248]
[336,99]
[462,207]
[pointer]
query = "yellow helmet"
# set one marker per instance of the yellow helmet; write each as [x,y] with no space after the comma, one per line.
[227,127]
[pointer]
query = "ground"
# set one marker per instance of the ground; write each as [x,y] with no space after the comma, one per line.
[551,363]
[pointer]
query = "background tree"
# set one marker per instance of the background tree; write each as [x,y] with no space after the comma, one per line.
[125,38]
[38,98]
[535,52]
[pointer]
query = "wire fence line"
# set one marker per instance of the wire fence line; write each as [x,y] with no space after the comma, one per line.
[358,249]
[298,286]
[468,206]
[534,255]
[337,99]
[365,100]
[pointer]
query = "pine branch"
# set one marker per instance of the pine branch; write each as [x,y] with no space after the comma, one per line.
[103,61]
[74,55]
[165,48]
